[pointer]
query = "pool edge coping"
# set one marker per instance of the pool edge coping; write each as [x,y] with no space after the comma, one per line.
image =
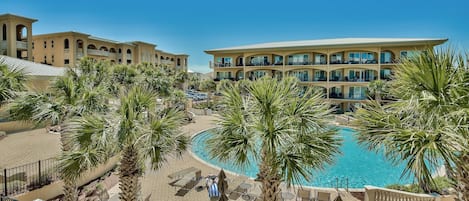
[193,155]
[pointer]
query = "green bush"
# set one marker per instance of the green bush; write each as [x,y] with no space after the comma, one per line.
[440,183]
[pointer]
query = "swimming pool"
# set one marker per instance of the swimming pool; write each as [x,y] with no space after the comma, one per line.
[356,166]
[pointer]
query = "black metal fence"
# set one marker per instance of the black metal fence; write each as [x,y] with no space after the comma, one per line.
[27,177]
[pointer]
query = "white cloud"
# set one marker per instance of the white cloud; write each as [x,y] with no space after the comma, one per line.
[199,68]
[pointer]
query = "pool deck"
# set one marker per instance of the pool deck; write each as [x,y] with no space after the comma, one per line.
[30,146]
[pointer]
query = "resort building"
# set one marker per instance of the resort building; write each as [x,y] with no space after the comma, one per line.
[16,36]
[342,67]
[67,48]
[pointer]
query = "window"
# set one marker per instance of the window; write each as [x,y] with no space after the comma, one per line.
[32,46]
[278,60]
[386,57]
[45,44]
[120,61]
[66,61]
[298,59]
[4,32]
[259,60]
[224,61]
[385,74]
[320,59]
[52,58]
[336,58]
[45,59]
[361,58]
[179,62]
[52,44]
[223,75]
[357,92]
[66,44]
[129,61]
[409,53]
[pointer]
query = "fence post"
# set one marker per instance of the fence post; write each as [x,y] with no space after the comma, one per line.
[347,184]
[337,183]
[39,173]
[5,189]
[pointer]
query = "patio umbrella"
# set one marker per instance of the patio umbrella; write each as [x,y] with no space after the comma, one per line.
[222,185]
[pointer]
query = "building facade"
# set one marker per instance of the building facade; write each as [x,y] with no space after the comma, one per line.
[16,36]
[67,48]
[342,67]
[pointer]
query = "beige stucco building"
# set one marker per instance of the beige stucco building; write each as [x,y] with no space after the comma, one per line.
[16,36]
[342,67]
[67,48]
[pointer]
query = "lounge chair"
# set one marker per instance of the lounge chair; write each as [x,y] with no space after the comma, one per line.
[187,182]
[182,173]
[324,196]
[303,195]
[234,184]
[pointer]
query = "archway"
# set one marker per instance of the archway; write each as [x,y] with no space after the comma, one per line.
[66,44]
[21,33]
[91,47]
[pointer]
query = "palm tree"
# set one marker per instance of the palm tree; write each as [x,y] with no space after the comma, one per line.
[11,81]
[208,85]
[75,94]
[291,129]
[377,89]
[427,125]
[137,130]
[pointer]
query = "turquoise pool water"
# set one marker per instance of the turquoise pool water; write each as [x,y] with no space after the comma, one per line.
[356,165]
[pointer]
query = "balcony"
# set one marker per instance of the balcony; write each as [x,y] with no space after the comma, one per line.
[301,63]
[79,55]
[98,52]
[21,45]
[3,45]
[335,95]
[356,97]
[320,79]
[354,62]
[128,56]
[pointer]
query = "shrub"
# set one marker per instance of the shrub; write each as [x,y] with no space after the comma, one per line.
[440,184]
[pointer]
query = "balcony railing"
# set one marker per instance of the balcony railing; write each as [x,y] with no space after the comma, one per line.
[128,56]
[320,79]
[356,97]
[354,62]
[98,52]
[301,63]
[113,55]
[79,55]
[21,45]
[221,65]
[336,95]
[3,45]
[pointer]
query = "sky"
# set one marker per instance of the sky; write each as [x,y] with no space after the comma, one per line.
[192,26]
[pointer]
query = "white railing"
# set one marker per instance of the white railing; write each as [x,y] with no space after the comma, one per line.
[373,193]
[129,56]
[79,55]
[21,45]
[98,52]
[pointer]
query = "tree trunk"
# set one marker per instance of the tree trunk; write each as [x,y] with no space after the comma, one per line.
[70,188]
[129,175]
[462,176]
[270,180]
